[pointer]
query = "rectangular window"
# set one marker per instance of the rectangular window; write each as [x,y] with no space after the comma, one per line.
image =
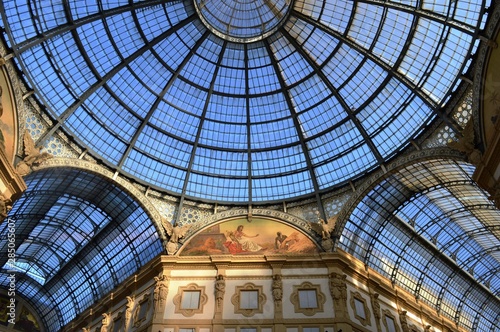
[248,329]
[308,298]
[186,330]
[360,308]
[310,329]
[249,299]
[190,300]
[117,325]
[391,327]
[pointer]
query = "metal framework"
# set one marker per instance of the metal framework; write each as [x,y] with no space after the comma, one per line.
[78,236]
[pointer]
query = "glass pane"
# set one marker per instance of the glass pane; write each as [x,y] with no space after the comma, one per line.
[360,308]
[190,300]
[249,299]
[307,299]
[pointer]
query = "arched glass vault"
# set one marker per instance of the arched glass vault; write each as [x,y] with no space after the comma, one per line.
[78,236]
[431,230]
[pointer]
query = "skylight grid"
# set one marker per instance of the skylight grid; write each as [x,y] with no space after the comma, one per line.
[49,14]
[81,10]
[294,68]
[209,187]
[152,21]
[281,187]
[359,159]
[262,80]
[124,33]
[98,47]
[229,109]
[392,38]
[224,135]
[257,55]
[174,45]
[342,65]
[336,14]
[234,54]
[312,9]
[422,49]
[279,161]
[230,81]
[64,299]
[214,162]
[148,70]
[132,93]
[175,122]
[362,86]
[308,93]
[74,69]
[334,143]
[441,7]
[300,30]
[468,11]
[451,59]
[365,24]
[99,138]
[326,115]
[112,115]
[20,20]
[114,3]
[50,86]
[319,45]
[268,108]
[388,102]
[200,72]
[211,48]
[158,174]
[266,135]
[177,11]
[176,96]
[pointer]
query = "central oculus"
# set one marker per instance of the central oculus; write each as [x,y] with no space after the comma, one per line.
[242,21]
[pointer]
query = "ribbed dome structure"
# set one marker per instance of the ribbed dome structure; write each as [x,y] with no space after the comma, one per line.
[248,101]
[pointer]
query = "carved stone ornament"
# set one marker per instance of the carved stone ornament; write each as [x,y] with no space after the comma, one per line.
[466,144]
[176,233]
[33,156]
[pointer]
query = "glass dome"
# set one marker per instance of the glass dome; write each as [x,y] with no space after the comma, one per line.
[249,101]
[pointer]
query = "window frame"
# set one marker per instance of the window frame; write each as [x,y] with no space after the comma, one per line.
[320,298]
[356,296]
[178,300]
[248,312]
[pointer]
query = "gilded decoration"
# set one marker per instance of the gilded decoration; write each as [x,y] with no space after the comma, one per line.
[239,237]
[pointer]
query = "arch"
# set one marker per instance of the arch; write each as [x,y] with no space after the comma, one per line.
[264,222]
[417,210]
[115,233]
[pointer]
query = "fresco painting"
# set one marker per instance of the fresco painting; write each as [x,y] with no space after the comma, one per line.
[240,237]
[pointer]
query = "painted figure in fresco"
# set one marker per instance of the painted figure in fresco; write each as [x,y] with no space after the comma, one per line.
[232,243]
[279,241]
[244,241]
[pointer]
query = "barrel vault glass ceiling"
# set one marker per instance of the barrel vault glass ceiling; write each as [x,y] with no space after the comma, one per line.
[249,101]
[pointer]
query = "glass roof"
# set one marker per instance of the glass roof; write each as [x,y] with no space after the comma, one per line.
[431,230]
[78,237]
[249,101]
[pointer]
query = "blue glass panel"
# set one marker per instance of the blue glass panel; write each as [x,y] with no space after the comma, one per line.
[226,163]
[98,47]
